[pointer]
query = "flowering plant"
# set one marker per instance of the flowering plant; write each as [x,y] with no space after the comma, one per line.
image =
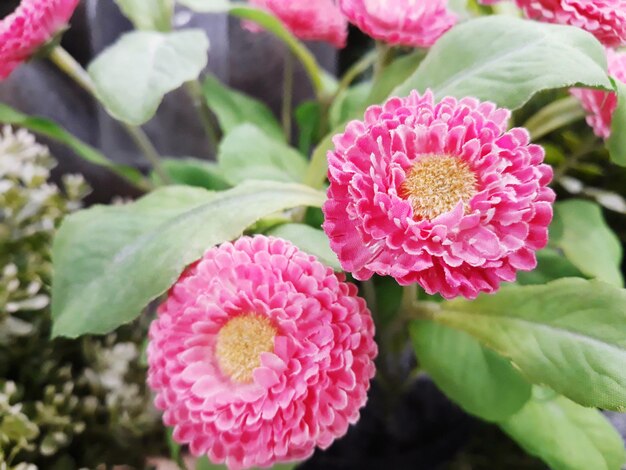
[427,203]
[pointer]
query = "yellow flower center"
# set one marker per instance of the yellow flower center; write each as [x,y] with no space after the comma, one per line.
[435,185]
[240,343]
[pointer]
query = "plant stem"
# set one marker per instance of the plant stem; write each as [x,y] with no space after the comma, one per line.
[67,64]
[554,116]
[356,69]
[287,94]
[194,90]
[384,55]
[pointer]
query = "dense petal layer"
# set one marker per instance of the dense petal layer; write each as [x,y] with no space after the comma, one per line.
[473,246]
[315,20]
[304,393]
[417,23]
[28,28]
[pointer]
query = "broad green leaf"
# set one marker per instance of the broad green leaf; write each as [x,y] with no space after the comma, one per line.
[568,334]
[617,141]
[482,382]
[233,108]
[580,231]
[310,240]
[111,261]
[507,60]
[53,131]
[388,300]
[194,172]
[247,153]
[349,104]
[132,76]
[204,463]
[565,435]
[551,265]
[148,14]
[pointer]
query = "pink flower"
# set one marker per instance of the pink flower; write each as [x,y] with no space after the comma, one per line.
[29,27]
[416,23]
[605,19]
[600,105]
[260,353]
[438,194]
[314,20]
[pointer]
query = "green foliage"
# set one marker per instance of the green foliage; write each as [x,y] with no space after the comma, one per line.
[148,14]
[193,172]
[482,382]
[108,267]
[50,129]
[507,60]
[247,153]
[65,404]
[132,76]
[567,334]
[566,435]
[580,231]
[233,108]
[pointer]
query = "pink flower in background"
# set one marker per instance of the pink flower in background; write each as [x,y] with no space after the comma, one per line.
[437,193]
[416,23]
[600,105]
[260,353]
[314,20]
[605,19]
[29,27]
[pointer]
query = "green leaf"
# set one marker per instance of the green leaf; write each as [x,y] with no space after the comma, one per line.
[308,116]
[207,6]
[551,265]
[580,231]
[48,128]
[617,140]
[507,60]
[233,108]
[132,76]
[568,334]
[194,172]
[248,153]
[310,240]
[350,103]
[565,435]
[111,261]
[148,14]
[318,166]
[479,380]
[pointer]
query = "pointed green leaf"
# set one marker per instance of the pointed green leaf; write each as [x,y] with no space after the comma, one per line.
[579,229]
[246,152]
[52,130]
[565,435]
[233,108]
[478,379]
[132,76]
[111,261]
[507,60]
[568,334]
